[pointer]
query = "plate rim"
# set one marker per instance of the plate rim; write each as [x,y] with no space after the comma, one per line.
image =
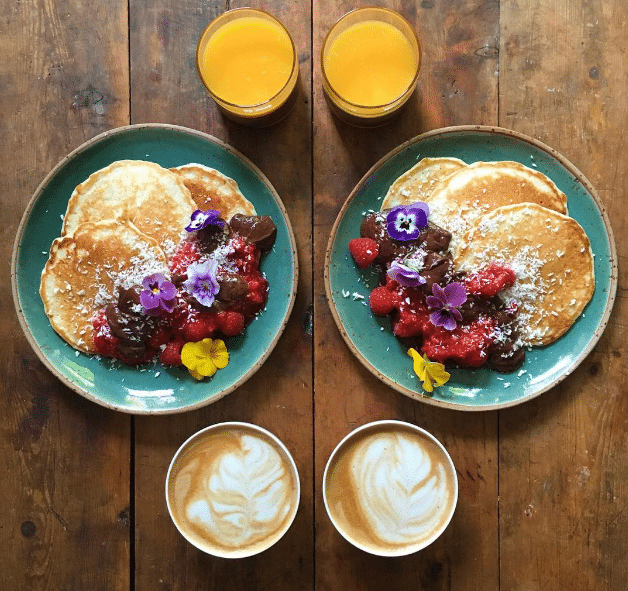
[26,216]
[487,130]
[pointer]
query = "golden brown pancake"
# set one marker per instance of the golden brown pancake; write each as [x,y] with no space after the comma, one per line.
[211,189]
[153,198]
[551,257]
[418,183]
[86,269]
[481,187]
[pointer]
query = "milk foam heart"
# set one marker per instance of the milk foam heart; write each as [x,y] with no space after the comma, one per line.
[233,492]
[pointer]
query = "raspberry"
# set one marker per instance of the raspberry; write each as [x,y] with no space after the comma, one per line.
[200,328]
[254,284]
[364,251]
[171,355]
[160,336]
[180,316]
[381,301]
[230,323]
[104,341]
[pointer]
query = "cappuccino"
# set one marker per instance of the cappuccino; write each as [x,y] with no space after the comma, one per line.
[232,490]
[390,488]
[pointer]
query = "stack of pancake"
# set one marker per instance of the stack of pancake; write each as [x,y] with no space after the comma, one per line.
[510,214]
[122,224]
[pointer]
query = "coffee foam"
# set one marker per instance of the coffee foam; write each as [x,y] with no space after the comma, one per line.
[390,489]
[233,491]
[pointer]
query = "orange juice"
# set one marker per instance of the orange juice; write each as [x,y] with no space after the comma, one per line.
[370,63]
[247,61]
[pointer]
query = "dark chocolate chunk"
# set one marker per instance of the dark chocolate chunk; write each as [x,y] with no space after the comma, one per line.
[259,230]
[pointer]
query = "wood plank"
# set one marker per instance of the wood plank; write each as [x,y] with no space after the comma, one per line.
[457,85]
[563,458]
[64,460]
[165,88]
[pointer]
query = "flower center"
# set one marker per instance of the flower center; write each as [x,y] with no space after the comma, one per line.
[406,223]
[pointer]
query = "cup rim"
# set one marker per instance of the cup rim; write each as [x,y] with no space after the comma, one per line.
[405,551]
[252,11]
[370,108]
[254,428]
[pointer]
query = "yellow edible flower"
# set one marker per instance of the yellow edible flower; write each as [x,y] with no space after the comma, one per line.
[204,357]
[428,371]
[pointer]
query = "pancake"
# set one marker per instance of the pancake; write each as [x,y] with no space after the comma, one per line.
[86,269]
[481,187]
[551,257]
[418,183]
[154,199]
[211,189]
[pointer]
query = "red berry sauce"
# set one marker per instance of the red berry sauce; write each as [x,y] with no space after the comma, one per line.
[126,333]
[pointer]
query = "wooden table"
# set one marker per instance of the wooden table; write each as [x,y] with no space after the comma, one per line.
[543,486]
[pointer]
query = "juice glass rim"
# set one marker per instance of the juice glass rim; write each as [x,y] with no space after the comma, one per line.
[418,66]
[224,16]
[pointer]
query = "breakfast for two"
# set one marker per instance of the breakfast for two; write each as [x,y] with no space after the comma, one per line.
[477,264]
[157,264]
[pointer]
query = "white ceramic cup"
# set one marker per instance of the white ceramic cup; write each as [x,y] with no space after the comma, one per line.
[390,488]
[232,489]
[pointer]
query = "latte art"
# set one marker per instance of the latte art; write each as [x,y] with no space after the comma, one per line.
[390,488]
[398,488]
[234,492]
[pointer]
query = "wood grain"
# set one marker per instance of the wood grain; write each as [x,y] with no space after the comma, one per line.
[542,485]
[65,461]
[563,458]
[165,88]
[457,85]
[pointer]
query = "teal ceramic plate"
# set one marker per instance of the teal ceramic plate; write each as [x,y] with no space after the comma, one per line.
[370,338]
[157,389]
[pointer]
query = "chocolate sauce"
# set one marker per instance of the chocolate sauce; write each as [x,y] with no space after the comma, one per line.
[128,323]
[211,237]
[506,357]
[232,288]
[259,230]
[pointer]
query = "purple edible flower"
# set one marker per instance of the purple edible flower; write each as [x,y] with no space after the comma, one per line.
[405,222]
[405,275]
[202,282]
[201,219]
[443,304]
[158,294]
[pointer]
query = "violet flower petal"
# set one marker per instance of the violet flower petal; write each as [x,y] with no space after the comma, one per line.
[149,300]
[404,275]
[443,304]
[150,281]
[201,219]
[455,313]
[158,294]
[438,299]
[455,293]
[201,282]
[405,222]
[168,291]
[442,318]
[168,305]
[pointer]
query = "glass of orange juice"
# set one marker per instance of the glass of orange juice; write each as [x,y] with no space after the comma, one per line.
[248,62]
[370,62]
